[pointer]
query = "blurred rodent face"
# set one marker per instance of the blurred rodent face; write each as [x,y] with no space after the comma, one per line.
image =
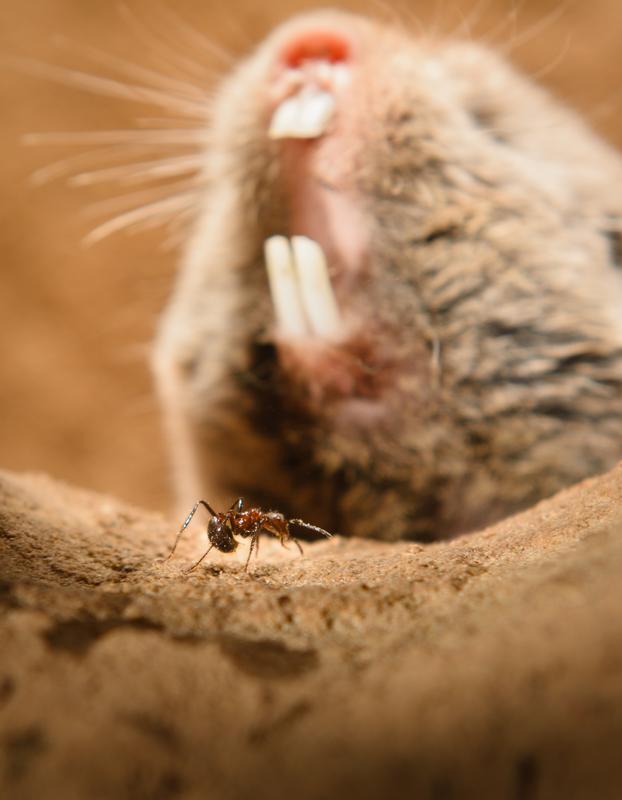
[467,360]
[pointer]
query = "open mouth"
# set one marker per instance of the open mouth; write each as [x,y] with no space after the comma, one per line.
[322,256]
[316,349]
[311,71]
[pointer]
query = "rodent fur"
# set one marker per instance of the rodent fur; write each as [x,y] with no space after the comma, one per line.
[489,303]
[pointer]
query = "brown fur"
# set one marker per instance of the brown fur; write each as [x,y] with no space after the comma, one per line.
[491,293]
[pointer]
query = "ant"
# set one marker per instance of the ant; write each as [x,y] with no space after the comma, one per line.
[251,522]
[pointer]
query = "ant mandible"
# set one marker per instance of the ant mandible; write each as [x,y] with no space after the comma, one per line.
[224,526]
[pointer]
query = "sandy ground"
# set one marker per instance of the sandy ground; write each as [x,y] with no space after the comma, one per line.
[76,322]
[486,667]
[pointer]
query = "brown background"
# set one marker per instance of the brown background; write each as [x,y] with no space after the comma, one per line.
[75,322]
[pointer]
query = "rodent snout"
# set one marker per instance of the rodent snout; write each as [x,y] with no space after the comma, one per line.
[311,66]
[316,44]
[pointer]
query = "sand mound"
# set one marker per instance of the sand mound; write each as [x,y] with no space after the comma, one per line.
[489,666]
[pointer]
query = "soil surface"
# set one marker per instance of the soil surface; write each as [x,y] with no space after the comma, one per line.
[489,666]
[76,399]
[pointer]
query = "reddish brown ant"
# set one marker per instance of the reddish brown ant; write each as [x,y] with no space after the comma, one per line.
[224,526]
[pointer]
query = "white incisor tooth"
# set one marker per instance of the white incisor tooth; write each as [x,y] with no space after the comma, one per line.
[305,115]
[315,288]
[290,315]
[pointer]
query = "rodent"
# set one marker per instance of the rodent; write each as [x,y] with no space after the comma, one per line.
[471,225]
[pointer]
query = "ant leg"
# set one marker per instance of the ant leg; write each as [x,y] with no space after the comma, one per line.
[288,534]
[254,541]
[237,506]
[254,537]
[276,526]
[307,525]
[187,522]
[194,566]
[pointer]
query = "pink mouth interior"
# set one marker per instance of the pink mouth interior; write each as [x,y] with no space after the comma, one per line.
[322,202]
[325,206]
[316,44]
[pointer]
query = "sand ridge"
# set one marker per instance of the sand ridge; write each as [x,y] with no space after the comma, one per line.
[487,666]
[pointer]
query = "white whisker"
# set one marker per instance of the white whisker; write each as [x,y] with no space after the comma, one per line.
[559,58]
[161,47]
[401,19]
[509,19]
[530,33]
[198,40]
[139,171]
[148,215]
[469,20]
[114,88]
[168,122]
[144,196]
[177,231]
[437,24]
[162,156]
[158,80]
[160,219]
[67,165]
[187,137]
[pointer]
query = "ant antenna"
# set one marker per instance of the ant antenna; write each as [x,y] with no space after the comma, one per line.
[207,506]
[187,522]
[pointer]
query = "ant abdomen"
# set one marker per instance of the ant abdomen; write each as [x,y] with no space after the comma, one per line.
[220,535]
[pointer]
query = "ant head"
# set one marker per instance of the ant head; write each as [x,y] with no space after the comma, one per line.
[219,534]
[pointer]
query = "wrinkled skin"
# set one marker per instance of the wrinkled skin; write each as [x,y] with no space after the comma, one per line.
[483,364]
